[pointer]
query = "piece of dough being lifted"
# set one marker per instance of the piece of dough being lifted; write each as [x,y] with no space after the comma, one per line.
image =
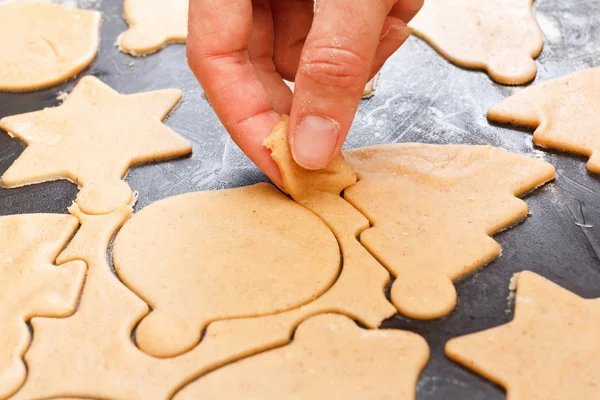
[549,351]
[152,25]
[330,358]
[564,112]
[44,44]
[92,139]
[501,36]
[433,208]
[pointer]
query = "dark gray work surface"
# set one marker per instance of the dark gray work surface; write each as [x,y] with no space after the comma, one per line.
[420,98]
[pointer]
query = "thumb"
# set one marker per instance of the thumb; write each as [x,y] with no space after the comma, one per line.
[334,68]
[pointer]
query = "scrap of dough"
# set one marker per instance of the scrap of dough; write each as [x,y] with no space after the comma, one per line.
[501,37]
[43,44]
[433,208]
[330,358]
[108,365]
[224,254]
[563,112]
[549,351]
[31,285]
[92,139]
[152,25]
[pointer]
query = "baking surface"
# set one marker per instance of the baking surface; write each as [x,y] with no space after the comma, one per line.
[420,98]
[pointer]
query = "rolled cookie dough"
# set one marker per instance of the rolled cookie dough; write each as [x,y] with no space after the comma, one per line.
[31,285]
[499,36]
[205,256]
[92,139]
[43,44]
[152,25]
[433,209]
[564,113]
[549,351]
[330,358]
[108,365]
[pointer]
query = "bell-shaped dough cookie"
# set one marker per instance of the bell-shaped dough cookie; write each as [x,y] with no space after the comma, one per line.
[330,358]
[152,25]
[549,351]
[43,44]
[31,285]
[564,112]
[433,209]
[501,36]
[224,254]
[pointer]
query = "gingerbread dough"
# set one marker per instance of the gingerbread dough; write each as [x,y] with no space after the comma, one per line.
[108,365]
[152,25]
[241,252]
[501,37]
[433,208]
[92,139]
[31,285]
[549,351]
[44,44]
[330,358]
[564,113]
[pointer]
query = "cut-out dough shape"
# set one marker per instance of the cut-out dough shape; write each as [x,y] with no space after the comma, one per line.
[433,208]
[501,37]
[330,358]
[108,365]
[44,44]
[152,25]
[564,112]
[205,256]
[31,285]
[549,351]
[92,139]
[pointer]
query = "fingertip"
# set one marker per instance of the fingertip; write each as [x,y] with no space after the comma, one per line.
[315,141]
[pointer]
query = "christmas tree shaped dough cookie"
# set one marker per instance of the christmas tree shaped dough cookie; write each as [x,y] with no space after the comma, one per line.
[223,254]
[501,37]
[92,139]
[152,25]
[433,208]
[549,351]
[564,113]
[31,285]
[330,358]
[44,44]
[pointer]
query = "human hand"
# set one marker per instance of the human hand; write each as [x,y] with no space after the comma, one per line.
[241,50]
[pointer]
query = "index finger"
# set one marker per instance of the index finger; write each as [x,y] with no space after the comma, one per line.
[217,50]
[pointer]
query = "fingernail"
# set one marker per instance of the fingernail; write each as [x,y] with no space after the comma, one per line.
[399,32]
[315,142]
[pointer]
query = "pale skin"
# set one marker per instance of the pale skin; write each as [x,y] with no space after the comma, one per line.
[242,50]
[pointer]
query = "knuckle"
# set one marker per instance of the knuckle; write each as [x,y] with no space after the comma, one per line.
[334,66]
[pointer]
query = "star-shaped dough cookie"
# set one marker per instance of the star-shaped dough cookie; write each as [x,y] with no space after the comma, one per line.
[501,37]
[92,139]
[564,112]
[152,25]
[549,351]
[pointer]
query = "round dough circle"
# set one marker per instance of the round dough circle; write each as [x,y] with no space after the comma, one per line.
[44,44]
[205,256]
